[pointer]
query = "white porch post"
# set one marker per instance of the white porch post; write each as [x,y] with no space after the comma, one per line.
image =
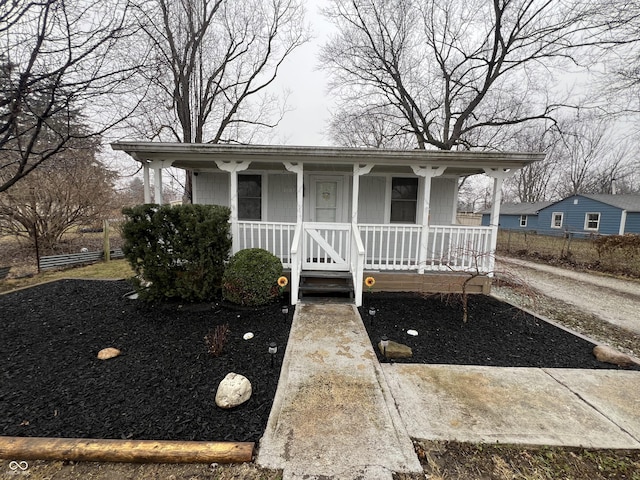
[157,166]
[498,175]
[427,173]
[233,168]
[147,182]
[357,264]
[157,181]
[194,187]
[357,171]
[298,170]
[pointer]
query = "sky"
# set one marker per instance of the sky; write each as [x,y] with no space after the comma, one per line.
[307,87]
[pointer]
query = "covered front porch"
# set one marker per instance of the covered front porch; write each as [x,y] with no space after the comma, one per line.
[329,197]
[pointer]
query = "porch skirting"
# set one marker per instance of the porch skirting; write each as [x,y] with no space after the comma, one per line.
[429,282]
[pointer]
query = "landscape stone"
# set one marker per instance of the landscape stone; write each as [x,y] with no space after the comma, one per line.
[396,350]
[107,353]
[234,390]
[604,353]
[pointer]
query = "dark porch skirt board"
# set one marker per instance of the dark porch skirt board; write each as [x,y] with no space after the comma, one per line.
[432,282]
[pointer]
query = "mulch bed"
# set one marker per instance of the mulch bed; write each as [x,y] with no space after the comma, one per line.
[495,334]
[163,385]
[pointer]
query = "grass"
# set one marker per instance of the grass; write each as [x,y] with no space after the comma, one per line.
[457,461]
[113,270]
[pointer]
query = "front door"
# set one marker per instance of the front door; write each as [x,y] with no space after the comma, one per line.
[327,199]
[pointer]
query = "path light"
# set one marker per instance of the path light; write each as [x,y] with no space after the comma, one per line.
[273,349]
[384,341]
[372,313]
[285,311]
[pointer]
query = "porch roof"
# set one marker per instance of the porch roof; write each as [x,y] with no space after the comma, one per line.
[199,156]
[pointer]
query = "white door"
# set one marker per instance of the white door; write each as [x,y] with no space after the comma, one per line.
[327,199]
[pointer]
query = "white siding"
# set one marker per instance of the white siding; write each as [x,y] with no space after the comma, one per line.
[281,200]
[372,199]
[442,206]
[213,188]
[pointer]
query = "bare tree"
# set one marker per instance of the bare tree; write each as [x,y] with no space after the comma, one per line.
[372,127]
[214,60]
[67,191]
[58,58]
[455,71]
[538,181]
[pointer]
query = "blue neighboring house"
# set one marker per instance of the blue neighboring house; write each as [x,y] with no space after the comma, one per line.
[517,216]
[582,215]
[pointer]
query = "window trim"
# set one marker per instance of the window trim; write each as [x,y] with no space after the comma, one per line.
[586,221]
[525,218]
[553,219]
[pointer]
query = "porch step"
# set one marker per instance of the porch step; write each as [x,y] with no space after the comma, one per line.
[326,284]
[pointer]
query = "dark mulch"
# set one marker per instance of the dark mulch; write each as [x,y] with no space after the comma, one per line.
[164,383]
[496,333]
[161,387]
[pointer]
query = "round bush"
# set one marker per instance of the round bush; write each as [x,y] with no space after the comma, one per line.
[251,276]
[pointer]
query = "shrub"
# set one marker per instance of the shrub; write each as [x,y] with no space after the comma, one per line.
[251,277]
[180,250]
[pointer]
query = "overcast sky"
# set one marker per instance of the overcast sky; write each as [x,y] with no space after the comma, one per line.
[307,87]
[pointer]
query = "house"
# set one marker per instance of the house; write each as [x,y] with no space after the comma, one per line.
[581,215]
[343,211]
[592,214]
[517,216]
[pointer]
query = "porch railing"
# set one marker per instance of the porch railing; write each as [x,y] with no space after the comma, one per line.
[391,247]
[274,237]
[447,248]
[459,248]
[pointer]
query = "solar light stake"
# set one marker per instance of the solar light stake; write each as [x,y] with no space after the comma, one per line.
[285,311]
[273,349]
[384,341]
[372,313]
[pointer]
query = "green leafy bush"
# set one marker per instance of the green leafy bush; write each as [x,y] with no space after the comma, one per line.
[251,277]
[180,250]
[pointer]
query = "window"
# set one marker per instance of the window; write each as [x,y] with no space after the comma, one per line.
[523,220]
[556,219]
[249,197]
[404,200]
[592,221]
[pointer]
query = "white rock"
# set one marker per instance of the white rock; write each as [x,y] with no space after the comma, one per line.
[107,353]
[413,333]
[248,336]
[234,390]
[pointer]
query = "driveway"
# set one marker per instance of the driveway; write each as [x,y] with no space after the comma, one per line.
[612,300]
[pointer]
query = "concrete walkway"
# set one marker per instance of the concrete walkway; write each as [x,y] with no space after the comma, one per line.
[333,415]
[340,414]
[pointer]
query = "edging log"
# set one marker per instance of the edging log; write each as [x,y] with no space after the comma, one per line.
[132,451]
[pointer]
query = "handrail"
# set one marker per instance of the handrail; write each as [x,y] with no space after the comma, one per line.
[357,263]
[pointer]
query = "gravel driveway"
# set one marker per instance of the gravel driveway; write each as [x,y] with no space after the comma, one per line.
[583,301]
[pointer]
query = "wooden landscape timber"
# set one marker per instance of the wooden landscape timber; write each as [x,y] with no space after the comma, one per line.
[131,451]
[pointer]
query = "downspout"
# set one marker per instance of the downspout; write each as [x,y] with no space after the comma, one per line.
[498,175]
[623,222]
